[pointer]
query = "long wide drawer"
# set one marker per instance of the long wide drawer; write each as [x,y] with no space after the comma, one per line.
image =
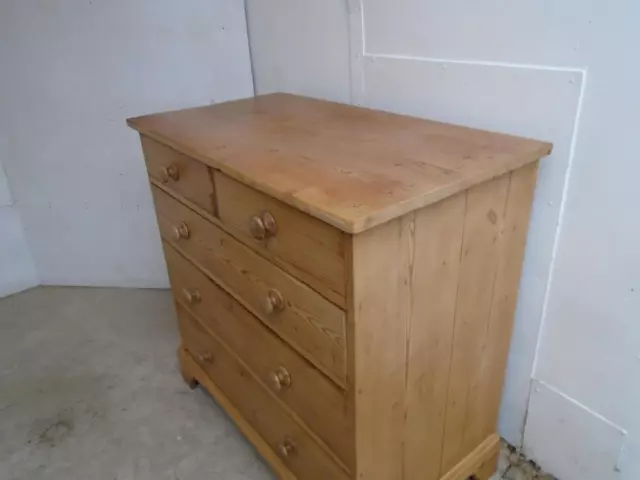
[314,248]
[311,395]
[303,456]
[305,319]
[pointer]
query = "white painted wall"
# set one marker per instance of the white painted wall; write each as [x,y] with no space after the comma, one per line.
[17,271]
[300,47]
[72,72]
[559,71]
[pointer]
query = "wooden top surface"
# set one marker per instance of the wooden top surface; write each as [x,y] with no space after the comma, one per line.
[351,167]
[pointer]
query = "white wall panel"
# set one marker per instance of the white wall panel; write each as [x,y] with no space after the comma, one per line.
[570,441]
[542,32]
[5,193]
[72,72]
[590,345]
[17,271]
[300,47]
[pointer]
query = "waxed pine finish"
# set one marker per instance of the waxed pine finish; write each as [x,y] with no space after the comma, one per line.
[345,279]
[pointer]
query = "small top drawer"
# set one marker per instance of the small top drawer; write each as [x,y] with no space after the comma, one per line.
[314,248]
[180,174]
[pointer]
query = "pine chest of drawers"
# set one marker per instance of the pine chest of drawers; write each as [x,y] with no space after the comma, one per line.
[345,279]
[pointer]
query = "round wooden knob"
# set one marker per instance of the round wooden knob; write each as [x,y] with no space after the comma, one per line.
[269,224]
[263,226]
[205,357]
[181,232]
[281,379]
[191,296]
[169,173]
[257,228]
[287,448]
[273,302]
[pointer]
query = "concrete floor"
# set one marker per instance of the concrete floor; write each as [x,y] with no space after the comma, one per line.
[90,389]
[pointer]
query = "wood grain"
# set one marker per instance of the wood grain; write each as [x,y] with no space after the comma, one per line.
[351,167]
[303,241]
[481,461]
[310,395]
[308,278]
[194,374]
[380,305]
[479,256]
[429,330]
[435,270]
[193,182]
[488,468]
[486,388]
[256,405]
[375,350]
[310,323]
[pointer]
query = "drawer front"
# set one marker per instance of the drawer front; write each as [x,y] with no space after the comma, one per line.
[180,174]
[311,395]
[302,455]
[314,248]
[306,320]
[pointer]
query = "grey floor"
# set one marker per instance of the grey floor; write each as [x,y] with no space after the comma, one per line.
[90,389]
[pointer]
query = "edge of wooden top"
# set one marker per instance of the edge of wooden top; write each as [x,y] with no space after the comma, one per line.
[368,220]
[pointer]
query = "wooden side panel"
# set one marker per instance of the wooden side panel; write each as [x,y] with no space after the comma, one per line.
[479,257]
[434,278]
[486,389]
[432,300]
[380,295]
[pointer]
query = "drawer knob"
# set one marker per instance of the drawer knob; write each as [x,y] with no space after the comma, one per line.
[181,232]
[287,448]
[263,226]
[281,379]
[169,173]
[191,296]
[205,357]
[274,302]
